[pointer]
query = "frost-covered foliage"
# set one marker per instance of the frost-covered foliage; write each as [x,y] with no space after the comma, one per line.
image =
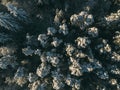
[82,42]
[37,85]
[51,31]
[56,42]
[43,70]
[7,57]
[6,51]
[74,83]
[32,77]
[117,38]
[83,19]
[63,29]
[20,14]
[8,22]
[112,20]
[43,39]
[64,61]
[11,20]
[93,32]
[8,60]
[57,80]
[70,45]
[28,51]
[115,57]
[113,17]
[20,76]
[59,16]
[104,47]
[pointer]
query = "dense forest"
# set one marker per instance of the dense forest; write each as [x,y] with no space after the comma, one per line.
[59,44]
